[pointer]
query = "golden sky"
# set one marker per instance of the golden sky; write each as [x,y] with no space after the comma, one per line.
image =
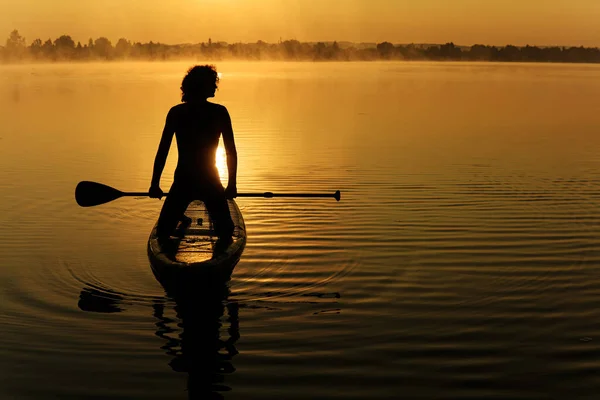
[465,22]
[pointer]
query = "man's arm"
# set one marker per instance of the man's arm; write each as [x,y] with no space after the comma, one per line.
[231,152]
[161,155]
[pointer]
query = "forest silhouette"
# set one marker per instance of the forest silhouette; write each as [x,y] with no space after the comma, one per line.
[64,49]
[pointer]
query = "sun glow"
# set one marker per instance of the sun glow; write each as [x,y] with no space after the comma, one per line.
[221,161]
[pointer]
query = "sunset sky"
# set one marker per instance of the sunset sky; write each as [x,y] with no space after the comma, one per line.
[465,22]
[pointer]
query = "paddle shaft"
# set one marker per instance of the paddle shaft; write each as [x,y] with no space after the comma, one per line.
[266,195]
[269,195]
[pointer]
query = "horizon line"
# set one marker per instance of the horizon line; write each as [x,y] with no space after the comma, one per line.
[281,40]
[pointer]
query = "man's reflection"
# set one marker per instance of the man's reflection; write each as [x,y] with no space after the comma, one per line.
[202,311]
[203,354]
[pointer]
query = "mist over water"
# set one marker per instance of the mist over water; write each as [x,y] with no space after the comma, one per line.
[462,261]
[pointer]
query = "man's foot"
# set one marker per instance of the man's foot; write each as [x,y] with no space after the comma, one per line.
[167,245]
[222,245]
[185,220]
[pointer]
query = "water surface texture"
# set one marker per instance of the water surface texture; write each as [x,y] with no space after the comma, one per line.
[462,261]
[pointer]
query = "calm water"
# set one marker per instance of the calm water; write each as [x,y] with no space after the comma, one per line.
[462,262]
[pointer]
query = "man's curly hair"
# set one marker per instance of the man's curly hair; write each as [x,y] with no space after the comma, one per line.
[197,79]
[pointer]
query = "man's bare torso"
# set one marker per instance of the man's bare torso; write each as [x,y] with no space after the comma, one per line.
[197,130]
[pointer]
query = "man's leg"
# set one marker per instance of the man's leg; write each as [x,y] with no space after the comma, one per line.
[218,209]
[172,211]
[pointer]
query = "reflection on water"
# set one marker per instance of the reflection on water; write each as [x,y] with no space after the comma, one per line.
[193,338]
[94,300]
[200,351]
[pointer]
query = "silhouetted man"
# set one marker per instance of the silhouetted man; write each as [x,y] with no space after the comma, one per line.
[197,125]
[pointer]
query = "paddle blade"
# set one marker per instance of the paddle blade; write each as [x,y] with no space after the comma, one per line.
[88,194]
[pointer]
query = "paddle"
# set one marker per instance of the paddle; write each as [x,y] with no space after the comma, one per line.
[88,194]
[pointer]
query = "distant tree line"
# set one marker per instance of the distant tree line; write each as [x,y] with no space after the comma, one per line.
[64,48]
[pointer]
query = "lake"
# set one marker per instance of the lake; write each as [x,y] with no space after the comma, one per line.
[462,262]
